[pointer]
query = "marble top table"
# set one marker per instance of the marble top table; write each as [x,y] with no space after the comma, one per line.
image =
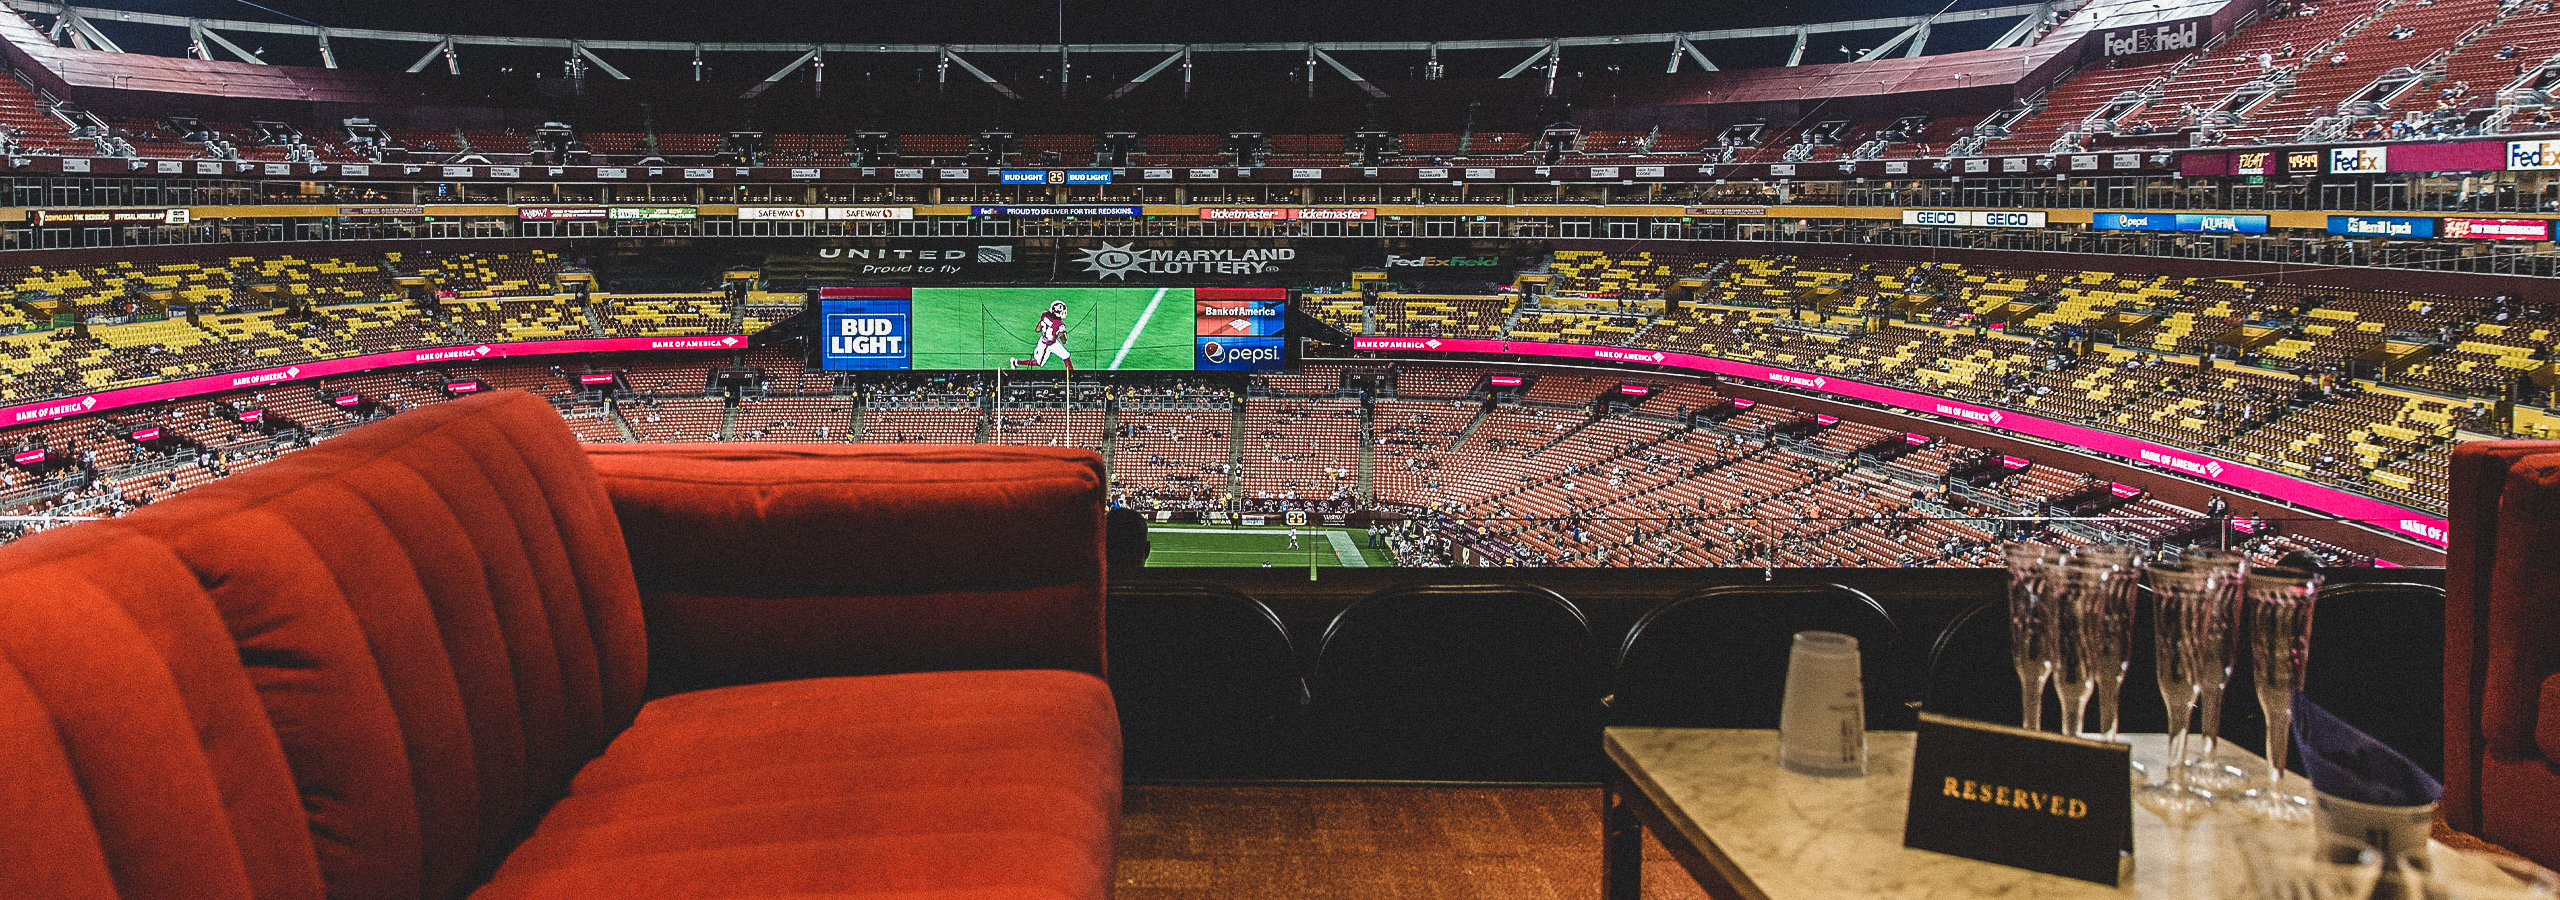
[1749,830]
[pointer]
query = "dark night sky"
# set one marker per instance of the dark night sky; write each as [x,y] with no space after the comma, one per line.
[1037,21]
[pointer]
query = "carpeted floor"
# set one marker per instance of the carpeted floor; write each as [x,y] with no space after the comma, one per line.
[1371,842]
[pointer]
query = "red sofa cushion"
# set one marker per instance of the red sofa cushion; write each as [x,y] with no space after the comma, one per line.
[2502,643]
[764,562]
[363,665]
[978,784]
[138,759]
[2546,731]
[363,670]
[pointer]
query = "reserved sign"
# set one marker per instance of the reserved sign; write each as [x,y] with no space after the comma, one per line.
[2037,801]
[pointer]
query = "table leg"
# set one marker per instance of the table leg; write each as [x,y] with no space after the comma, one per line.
[1621,845]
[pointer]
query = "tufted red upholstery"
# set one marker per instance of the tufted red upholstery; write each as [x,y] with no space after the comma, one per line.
[2502,645]
[991,553]
[366,669]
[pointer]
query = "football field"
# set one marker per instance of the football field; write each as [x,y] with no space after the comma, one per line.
[1183,545]
[1108,328]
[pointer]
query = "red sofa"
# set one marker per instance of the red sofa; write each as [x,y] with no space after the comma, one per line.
[2502,646]
[416,662]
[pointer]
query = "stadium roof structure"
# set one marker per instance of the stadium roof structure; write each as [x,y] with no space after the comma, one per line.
[219,40]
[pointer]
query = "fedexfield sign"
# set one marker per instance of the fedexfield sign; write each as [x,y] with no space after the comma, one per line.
[2141,39]
[1443,262]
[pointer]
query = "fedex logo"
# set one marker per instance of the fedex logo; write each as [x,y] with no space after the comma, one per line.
[2530,155]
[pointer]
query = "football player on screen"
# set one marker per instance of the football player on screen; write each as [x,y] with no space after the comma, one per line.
[1053,339]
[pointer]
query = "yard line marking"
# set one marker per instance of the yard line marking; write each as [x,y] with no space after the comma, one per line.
[1344,551]
[1150,313]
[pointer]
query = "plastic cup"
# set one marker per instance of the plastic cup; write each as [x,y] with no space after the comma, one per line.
[1822,723]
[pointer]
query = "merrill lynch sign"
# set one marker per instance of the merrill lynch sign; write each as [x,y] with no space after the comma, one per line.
[2142,39]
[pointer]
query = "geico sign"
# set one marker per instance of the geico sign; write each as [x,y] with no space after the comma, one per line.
[1974,218]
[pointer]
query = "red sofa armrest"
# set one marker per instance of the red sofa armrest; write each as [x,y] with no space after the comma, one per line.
[761,562]
[2486,533]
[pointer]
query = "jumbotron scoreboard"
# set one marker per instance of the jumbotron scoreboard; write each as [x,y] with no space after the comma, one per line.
[1092,329]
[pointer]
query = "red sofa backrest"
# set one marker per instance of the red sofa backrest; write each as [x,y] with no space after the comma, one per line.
[353,672]
[2502,645]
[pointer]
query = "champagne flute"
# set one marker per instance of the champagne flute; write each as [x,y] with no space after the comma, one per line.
[2187,613]
[2277,619]
[2116,651]
[2030,626]
[2082,624]
[2208,770]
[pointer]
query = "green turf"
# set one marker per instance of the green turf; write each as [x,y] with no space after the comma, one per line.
[1251,547]
[984,328]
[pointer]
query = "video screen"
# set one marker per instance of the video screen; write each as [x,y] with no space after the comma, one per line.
[1083,329]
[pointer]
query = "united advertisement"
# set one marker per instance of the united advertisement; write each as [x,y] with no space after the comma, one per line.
[801,265]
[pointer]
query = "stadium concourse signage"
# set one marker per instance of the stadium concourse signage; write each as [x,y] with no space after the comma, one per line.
[592,213]
[2418,525]
[653,213]
[2210,223]
[1054,176]
[1081,212]
[107,216]
[2148,161]
[1283,213]
[2452,228]
[2495,229]
[2382,226]
[1974,218]
[824,213]
[103,401]
[559,213]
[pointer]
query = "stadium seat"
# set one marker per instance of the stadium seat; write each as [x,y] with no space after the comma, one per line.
[1210,681]
[2371,643]
[1470,681]
[1717,657]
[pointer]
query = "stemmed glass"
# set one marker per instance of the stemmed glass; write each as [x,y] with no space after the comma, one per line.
[2030,625]
[2085,630]
[2117,651]
[2187,615]
[2214,673]
[2277,618]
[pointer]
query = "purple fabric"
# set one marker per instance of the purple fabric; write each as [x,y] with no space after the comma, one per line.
[2350,765]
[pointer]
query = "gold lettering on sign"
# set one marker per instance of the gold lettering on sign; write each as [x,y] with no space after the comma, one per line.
[2015,798]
